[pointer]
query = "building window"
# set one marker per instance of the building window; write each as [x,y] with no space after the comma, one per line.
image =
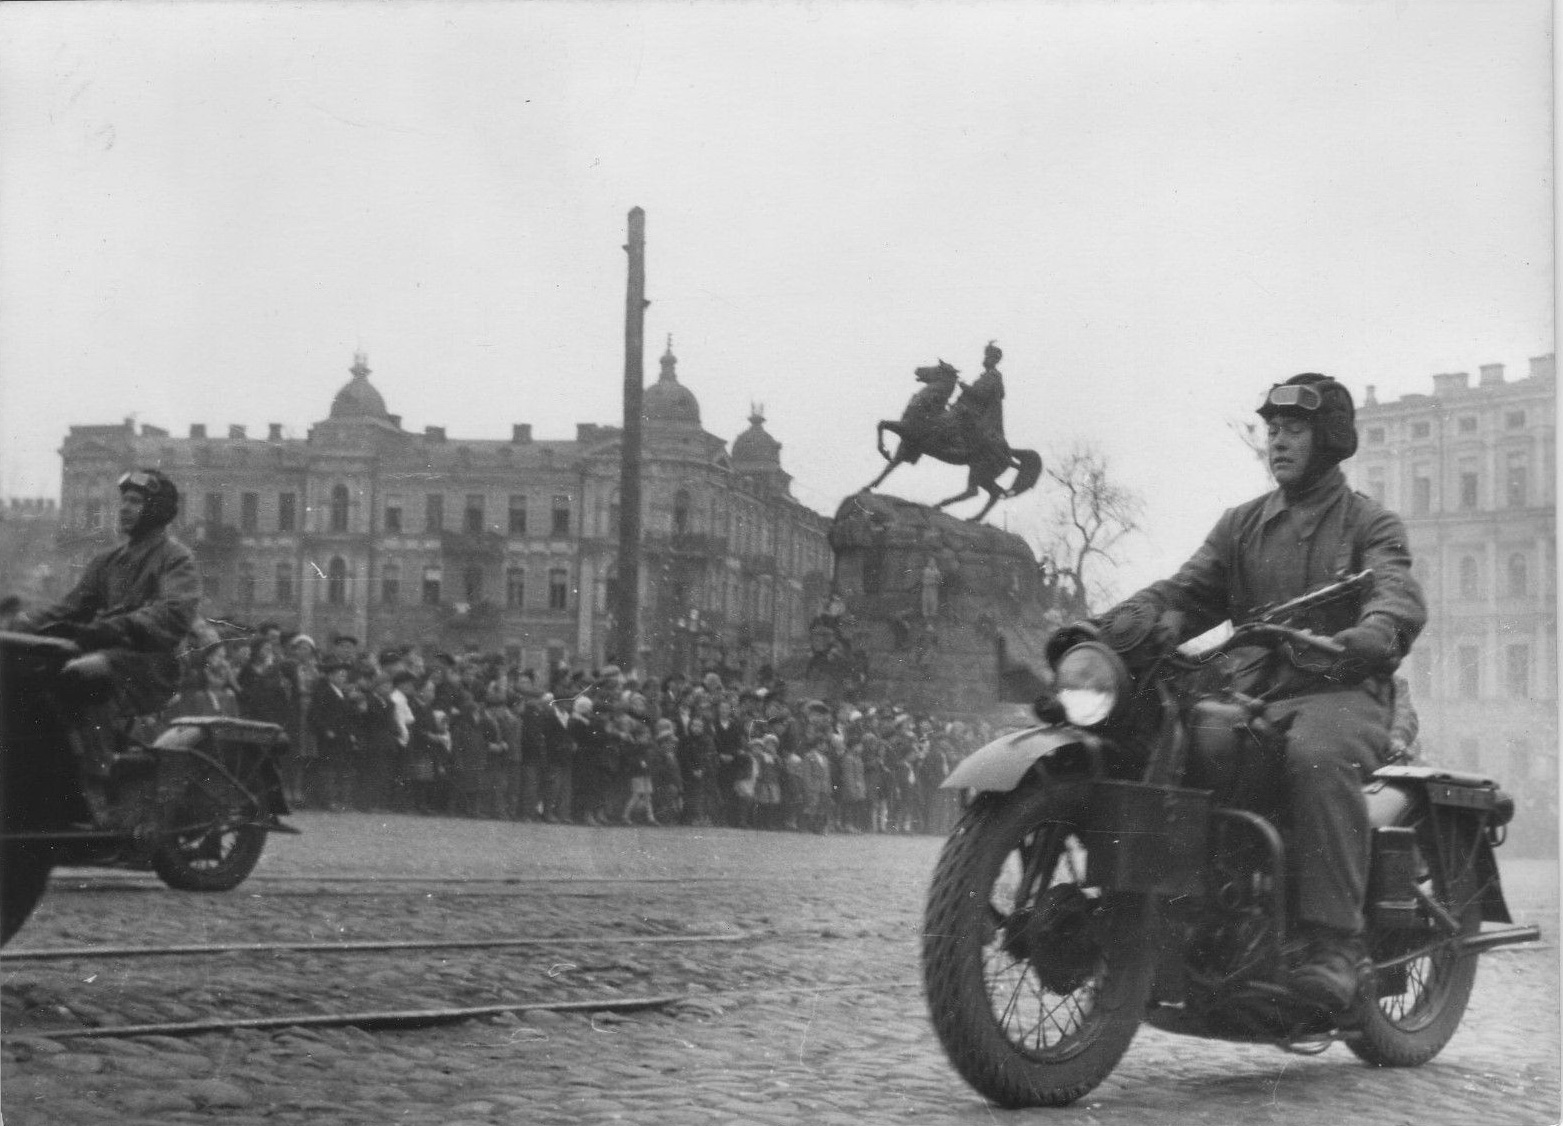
[434,512]
[393,514]
[391,584]
[1468,482]
[473,521]
[431,585]
[247,581]
[472,583]
[1421,680]
[515,588]
[336,581]
[1375,435]
[1518,480]
[1421,494]
[93,519]
[1470,755]
[1469,579]
[1468,424]
[558,589]
[1420,429]
[1514,420]
[1516,671]
[1468,664]
[339,508]
[287,512]
[681,512]
[249,512]
[1376,490]
[613,513]
[1519,576]
[517,514]
[214,509]
[285,581]
[1520,761]
[561,524]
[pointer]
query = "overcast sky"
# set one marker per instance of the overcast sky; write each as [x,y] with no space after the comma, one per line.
[1156,210]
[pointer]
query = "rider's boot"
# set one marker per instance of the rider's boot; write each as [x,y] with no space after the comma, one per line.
[1329,968]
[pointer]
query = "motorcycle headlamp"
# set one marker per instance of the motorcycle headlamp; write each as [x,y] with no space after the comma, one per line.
[1089,680]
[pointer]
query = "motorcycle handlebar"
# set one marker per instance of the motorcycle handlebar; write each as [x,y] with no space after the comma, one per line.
[1278,634]
[38,643]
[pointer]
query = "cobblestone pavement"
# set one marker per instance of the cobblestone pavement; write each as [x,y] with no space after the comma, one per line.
[781,1027]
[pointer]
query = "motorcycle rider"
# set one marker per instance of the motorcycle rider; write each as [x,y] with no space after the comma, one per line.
[129,613]
[1277,547]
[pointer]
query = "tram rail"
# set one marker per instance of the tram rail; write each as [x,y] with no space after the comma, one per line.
[424,1018]
[47,954]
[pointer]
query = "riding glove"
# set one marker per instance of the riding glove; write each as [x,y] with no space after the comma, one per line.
[1371,647]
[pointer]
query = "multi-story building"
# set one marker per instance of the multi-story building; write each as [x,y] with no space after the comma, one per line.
[367,529]
[29,566]
[1472,471]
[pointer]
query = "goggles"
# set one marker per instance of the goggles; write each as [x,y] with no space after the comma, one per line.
[1296,396]
[136,479]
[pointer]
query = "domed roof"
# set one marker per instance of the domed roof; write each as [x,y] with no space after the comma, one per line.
[358,399]
[755,446]
[668,400]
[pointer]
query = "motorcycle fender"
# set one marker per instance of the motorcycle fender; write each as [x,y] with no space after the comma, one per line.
[1000,765]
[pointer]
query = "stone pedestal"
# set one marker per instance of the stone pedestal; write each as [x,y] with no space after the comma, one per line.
[960,638]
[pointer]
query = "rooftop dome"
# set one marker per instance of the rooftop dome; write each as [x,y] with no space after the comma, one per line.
[358,399]
[754,446]
[668,400]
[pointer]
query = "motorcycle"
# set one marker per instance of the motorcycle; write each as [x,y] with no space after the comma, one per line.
[195,806]
[1125,862]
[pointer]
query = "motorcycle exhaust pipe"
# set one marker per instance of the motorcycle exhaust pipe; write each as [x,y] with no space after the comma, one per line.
[1508,936]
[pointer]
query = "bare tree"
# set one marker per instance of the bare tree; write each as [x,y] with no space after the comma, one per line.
[1091,513]
[1252,434]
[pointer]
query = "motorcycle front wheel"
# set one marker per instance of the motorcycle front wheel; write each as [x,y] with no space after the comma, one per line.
[1417,997]
[214,859]
[1036,980]
[24,873]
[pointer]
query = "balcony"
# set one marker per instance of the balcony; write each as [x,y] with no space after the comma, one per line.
[215,541]
[469,616]
[486,547]
[82,539]
[688,545]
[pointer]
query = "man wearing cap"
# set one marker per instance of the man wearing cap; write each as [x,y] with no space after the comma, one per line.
[132,606]
[1276,547]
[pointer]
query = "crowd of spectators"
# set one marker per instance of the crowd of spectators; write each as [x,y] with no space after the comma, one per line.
[473,735]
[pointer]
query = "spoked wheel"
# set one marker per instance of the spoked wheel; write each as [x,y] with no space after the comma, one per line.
[1036,981]
[216,859]
[1423,979]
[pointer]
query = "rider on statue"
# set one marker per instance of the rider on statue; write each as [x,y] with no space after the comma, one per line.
[969,433]
[979,412]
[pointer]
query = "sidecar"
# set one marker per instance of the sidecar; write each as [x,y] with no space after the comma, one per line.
[203,805]
[195,806]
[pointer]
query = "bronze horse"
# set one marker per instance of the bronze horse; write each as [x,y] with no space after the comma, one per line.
[969,434]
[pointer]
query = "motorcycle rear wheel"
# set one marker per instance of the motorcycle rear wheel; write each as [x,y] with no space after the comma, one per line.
[1414,1010]
[24,873]
[219,860]
[1036,981]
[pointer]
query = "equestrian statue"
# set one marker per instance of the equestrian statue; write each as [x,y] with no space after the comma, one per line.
[970,432]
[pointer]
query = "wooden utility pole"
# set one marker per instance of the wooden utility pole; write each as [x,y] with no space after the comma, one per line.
[627,609]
